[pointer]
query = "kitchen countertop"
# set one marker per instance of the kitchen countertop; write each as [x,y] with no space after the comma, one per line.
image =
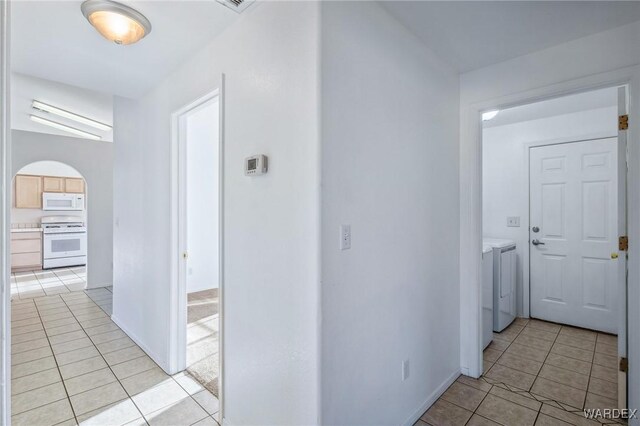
[26,229]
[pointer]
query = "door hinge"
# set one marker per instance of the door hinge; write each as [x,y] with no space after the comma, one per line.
[623,122]
[624,365]
[623,243]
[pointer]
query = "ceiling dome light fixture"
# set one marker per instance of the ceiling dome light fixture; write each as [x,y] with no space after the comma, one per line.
[486,116]
[115,21]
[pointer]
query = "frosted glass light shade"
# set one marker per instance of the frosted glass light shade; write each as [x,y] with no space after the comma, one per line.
[116,22]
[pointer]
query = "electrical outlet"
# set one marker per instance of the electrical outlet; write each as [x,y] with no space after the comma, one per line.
[513,221]
[405,370]
[345,237]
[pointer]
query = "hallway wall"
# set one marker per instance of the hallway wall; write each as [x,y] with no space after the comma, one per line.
[270,60]
[390,170]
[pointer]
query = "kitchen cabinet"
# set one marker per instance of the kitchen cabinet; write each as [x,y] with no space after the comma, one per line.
[74,185]
[28,192]
[26,251]
[29,189]
[53,184]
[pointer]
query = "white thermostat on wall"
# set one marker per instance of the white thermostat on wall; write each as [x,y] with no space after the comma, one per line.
[256,165]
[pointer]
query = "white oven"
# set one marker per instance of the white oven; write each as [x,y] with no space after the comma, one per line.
[62,202]
[64,242]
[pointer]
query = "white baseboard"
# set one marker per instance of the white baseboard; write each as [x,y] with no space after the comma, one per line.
[431,399]
[144,347]
[92,287]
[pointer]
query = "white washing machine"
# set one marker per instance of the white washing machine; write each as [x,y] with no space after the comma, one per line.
[504,282]
[487,295]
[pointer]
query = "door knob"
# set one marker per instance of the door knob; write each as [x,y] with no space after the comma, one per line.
[537,243]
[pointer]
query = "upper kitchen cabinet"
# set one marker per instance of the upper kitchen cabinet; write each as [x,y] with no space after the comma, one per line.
[53,184]
[28,192]
[74,185]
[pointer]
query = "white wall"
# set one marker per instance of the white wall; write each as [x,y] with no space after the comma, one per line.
[42,168]
[49,168]
[505,179]
[202,143]
[270,59]
[25,88]
[390,170]
[94,161]
[577,65]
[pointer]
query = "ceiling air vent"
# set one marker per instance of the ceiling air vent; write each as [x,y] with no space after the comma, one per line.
[236,5]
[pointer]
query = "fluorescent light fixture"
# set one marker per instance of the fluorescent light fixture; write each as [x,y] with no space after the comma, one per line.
[70,115]
[115,21]
[64,128]
[486,116]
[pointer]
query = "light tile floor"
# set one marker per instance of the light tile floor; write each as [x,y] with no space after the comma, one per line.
[25,285]
[72,365]
[538,373]
[31,284]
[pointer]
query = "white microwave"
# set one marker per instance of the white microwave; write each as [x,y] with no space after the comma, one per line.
[62,202]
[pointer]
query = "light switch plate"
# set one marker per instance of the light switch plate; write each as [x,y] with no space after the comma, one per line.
[513,221]
[405,370]
[345,237]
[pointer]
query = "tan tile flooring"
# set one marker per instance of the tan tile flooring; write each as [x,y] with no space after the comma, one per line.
[72,365]
[538,373]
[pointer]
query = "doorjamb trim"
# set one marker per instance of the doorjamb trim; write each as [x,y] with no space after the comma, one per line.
[178,309]
[471,203]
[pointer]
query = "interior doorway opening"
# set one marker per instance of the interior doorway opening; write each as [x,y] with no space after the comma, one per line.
[198,243]
[554,192]
[48,230]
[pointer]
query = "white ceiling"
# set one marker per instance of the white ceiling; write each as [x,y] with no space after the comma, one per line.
[473,34]
[52,40]
[586,101]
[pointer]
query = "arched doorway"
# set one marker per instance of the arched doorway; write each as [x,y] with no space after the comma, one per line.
[48,230]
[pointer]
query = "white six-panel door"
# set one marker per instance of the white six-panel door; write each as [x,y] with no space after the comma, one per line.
[573,207]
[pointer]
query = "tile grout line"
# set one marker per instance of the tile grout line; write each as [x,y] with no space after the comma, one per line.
[112,372]
[125,390]
[491,388]
[528,391]
[588,375]
[592,363]
[543,363]
[41,283]
[541,367]
[593,357]
[53,354]
[479,404]
[57,365]
[66,302]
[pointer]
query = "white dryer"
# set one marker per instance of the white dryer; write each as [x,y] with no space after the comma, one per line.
[487,295]
[504,282]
